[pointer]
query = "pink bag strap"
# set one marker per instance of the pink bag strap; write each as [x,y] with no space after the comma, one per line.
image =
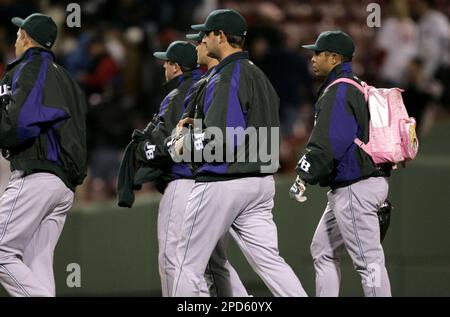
[351,82]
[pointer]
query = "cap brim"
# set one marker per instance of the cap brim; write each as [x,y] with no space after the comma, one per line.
[17,22]
[199,27]
[161,55]
[194,37]
[311,47]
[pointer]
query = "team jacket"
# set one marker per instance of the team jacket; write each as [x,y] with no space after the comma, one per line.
[132,173]
[332,158]
[152,152]
[146,158]
[236,94]
[43,118]
[192,97]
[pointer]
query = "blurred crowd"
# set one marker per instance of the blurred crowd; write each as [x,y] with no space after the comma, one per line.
[111,57]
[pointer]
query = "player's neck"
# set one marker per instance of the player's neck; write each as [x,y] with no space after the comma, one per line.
[212,63]
[228,51]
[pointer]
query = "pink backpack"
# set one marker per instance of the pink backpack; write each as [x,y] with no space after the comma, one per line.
[392,133]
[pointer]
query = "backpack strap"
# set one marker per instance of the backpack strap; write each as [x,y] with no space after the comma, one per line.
[352,82]
[362,88]
[365,147]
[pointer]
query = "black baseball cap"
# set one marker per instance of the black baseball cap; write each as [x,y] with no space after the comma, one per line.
[39,27]
[198,37]
[335,42]
[228,20]
[180,52]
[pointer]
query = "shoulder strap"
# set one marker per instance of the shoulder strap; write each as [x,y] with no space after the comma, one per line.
[351,82]
[363,90]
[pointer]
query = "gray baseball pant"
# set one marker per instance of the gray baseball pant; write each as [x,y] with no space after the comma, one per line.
[244,204]
[350,220]
[33,210]
[220,278]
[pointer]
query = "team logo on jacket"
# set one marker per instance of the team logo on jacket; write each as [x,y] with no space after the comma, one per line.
[5,95]
[198,141]
[149,151]
[5,90]
[304,164]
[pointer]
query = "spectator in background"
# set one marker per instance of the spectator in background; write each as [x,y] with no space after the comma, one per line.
[434,50]
[288,72]
[102,68]
[75,58]
[397,42]
[107,123]
[434,36]
[416,95]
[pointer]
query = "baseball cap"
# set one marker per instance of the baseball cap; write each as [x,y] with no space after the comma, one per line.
[335,42]
[227,20]
[195,37]
[39,27]
[181,52]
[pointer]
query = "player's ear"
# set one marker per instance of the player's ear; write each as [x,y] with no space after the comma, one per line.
[339,58]
[334,59]
[222,37]
[25,38]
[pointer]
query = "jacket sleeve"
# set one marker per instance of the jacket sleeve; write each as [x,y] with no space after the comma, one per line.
[191,101]
[125,186]
[334,132]
[25,116]
[152,150]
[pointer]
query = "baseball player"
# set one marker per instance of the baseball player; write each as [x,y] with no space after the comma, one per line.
[230,194]
[223,280]
[358,187]
[181,74]
[43,135]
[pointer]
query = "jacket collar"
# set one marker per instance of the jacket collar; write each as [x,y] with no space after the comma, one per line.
[194,74]
[341,70]
[177,81]
[30,52]
[229,59]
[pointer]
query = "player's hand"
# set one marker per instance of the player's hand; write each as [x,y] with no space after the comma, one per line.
[297,190]
[183,124]
[178,146]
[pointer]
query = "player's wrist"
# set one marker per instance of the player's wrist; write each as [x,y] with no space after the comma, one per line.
[298,180]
